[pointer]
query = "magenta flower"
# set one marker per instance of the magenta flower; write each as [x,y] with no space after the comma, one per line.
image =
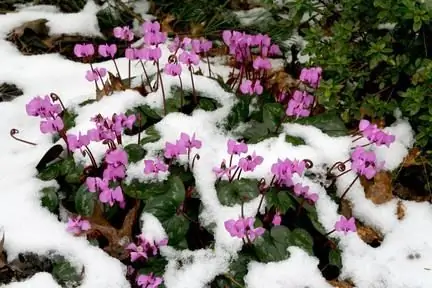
[189,58]
[250,162]
[284,171]
[151,166]
[189,142]
[261,40]
[111,196]
[299,105]
[243,227]
[223,170]
[303,191]
[174,150]
[150,27]
[131,53]
[114,173]
[137,252]
[91,75]
[312,76]
[365,163]
[96,184]
[236,148]
[261,63]
[374,134]
[51,125]
[247,87]
[84,50]
[76,142]
[173,69]
[174,45]
[117,157]
[149,54]
[123,33]
[345,225]
[77,225]
[42,107]
[205,45]
[107,50]
[277,219]
[121,121]
[149,281]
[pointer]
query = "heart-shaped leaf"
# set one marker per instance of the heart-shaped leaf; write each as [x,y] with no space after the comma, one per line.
[273,245]
[49,198]
[281,200]
[151,135]
[135,152]
[237,192]
[329,123]
[84,201]
[144,191]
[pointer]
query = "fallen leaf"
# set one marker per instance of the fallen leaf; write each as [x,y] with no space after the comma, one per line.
[341,284]
[196,29]
[345,208]
[379,191]
[283,81]
[412,158]
[368,235]
[166,23]
[400,210]
[38,26]
[116,82]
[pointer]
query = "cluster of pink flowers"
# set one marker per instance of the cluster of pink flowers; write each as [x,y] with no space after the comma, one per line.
[311,76]
[284,170]
[374,134]
[149,281]
[115,171]
[183,146]
[144,248]
[250,88]
[154,166]
[106,129]
[123,33]
[95,74]
[365,163]
[245,164]
[243,228]
[76,225]
[48,111]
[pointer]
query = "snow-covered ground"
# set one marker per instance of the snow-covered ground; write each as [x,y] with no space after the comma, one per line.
[30,227]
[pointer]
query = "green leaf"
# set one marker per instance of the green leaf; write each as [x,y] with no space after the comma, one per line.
[280,200]
[144,191]
[51,172]
[135,152]
[207,104]
[84,201]
[239,112]
[273,245]
[301,238]
[237,192]
[49,198]
[150,112]
[68,165]
[151,135]
[68,119]
[256,132]
[64,273]
[296,141]
[335,258]
[155,265]
[238,268]
[87,102]
[329,123]
[272,115]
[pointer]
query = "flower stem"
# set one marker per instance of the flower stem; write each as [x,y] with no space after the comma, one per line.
[195,100]
[328,233]
[182,93]
[196,157]
[208,64]
[146,75]
[54,97]
[260,203]
[162,87]
[117,69]
[349,187]
[129,73]
[140,125]
[88,152]
[14,131]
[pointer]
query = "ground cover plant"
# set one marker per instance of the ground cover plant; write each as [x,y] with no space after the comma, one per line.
[179,168]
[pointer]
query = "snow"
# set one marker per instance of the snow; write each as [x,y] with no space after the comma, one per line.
[21,214]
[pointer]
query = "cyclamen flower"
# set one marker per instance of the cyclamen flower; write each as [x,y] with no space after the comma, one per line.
[236,148]
[345,225]
[189,142]
[312,76]
[51,125]
[151,166]
[243,227]
[122,121]
[299,105]
[149,281]
[77,225]
[374,134]
[96,184]
[261,40]
[284,171]
[223,170]
[76,142]
[250,162]
[247,87]
[261,63]
[112,195]
[107,50]
[173,69]
[145,248]
[189,58]
[303,191]
[131,53]
[365,162]
[149,54]
[123,33]
[277,219]
[114,172]
[117,157]
[83,50]
[42,107]
[92,75]
[174,150]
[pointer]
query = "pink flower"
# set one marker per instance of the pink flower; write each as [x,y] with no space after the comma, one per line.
[189,142]
[261,63]
[284,171]
[95,184]
[243,227]
[189,58]
[77,225]
[374,134]
[150,27]
[149,281]
[91,75]
[131,53]
[236,148]
[111,196]
[149,54]
[312,76]
[247,87]
[76,142]
[250,162]
[223,170]
[277,219]
[106,50]
[123,33]
[174,150]
[151,166]
[117,157]
[299,105]
[173,69]
[84,50]
[345,225]
[42,107]
[365,163]
[51,125]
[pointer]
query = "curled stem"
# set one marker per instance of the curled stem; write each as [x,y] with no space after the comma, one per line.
[54,97]
[349,187]
[196,157]
[14,131]
[110,143]
[88,152]
[308,163]
[339,165]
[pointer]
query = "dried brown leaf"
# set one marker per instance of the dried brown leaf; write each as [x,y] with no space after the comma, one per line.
[346,208]
[341,284]
[408,194]
[38,26]
[413,158]
[196,29]
[116,82]
[379,191]
[400,210]
[166,23]
[367,234]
